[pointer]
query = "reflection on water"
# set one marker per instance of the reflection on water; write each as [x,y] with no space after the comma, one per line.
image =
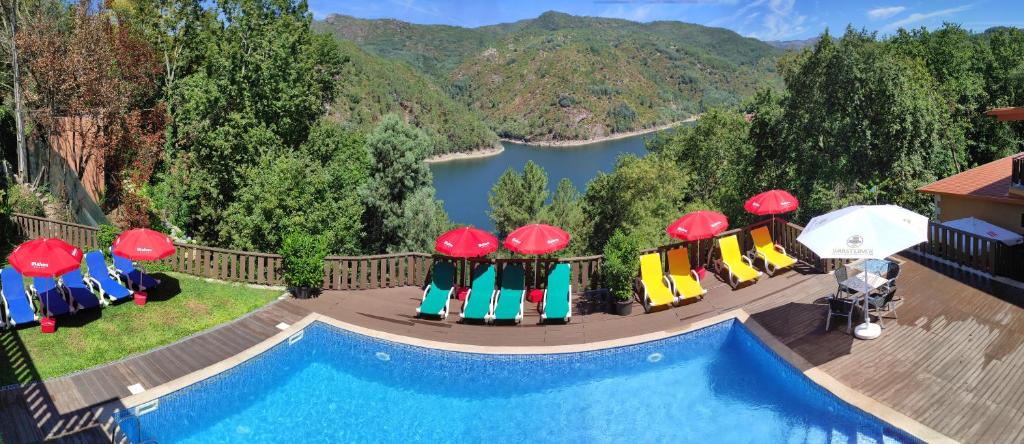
[463,184]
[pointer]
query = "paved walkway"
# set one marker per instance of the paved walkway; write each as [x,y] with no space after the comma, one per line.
[953,359]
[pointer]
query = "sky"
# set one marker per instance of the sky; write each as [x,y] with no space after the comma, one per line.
[762,19]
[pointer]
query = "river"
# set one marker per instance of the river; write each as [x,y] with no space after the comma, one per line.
[463,184]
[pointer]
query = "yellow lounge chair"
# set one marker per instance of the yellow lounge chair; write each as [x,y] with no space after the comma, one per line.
[685,282]
[774,256]
[654,284]
[740,268]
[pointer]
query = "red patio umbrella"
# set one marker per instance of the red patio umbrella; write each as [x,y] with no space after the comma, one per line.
[771,202]
[537,239]
[696,226]
[143,244]
[45,257]
[466,242]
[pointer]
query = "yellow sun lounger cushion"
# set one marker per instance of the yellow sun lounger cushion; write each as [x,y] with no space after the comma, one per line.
[684,280]
[774,260]
[739,266]
[656,291]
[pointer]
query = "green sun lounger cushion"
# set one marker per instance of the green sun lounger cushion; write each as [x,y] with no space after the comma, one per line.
[478,304]
[556,300]
[510,299]
[441,282]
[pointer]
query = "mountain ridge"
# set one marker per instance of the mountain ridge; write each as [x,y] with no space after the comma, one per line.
[562,77]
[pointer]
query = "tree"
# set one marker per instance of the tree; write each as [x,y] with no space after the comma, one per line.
[397,151]
[566,211]
[641,196]
[717,154]
[830,153]
[256,81]
[295,192]
[108,105]
[424,218]
[518,199]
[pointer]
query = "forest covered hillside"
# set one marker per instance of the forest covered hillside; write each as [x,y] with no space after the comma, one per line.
[564,77]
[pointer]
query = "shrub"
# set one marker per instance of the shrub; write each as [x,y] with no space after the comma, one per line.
[621,263]
[105,237]
[303,259]
[24,201]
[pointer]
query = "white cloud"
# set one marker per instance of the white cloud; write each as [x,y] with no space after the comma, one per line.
[781,21]
[885,12]
[917,16]
[639,13]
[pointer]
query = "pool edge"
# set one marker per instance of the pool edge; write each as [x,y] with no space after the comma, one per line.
[812,372]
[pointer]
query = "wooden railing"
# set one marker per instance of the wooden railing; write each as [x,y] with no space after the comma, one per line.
[379,271]
[79,235]
[967,249]
[402,269]
[226,265]
[1017,171]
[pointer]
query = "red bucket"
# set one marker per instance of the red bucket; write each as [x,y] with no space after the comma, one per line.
[140,298]
[48,325]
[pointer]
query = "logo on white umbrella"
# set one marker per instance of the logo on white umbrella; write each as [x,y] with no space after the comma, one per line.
[854,241]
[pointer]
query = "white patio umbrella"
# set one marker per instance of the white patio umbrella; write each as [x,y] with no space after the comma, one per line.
[864,232]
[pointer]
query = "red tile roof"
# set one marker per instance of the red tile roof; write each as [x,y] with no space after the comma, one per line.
[990,181]
[1008,113]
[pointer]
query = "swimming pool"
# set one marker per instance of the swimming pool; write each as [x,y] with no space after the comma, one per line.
[718,383]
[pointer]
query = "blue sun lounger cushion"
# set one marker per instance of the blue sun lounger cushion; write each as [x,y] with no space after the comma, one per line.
[510,298]
[79,291]
[50,296]
[557,302]
[480,300]
[19,307]
[438,293]
[99,278]
[132,276]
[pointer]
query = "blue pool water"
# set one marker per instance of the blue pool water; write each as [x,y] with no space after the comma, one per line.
[717,384]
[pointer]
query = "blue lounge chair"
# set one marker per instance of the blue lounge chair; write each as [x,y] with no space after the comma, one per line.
[509,306]
[438,293]
[130,276]
[18,306]
[51,298]
[99,278]
[80,293]
[558,296]
[480,299]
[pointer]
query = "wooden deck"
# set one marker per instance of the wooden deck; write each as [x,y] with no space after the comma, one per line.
[953,360]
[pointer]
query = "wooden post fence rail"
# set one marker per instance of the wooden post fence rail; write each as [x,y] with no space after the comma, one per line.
[405,269]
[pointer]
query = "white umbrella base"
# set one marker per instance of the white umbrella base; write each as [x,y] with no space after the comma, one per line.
[867,330]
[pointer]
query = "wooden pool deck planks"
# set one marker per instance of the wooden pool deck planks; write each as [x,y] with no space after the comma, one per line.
[952,361]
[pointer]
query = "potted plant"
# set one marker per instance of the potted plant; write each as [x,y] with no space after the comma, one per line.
[619,269]
[303,255]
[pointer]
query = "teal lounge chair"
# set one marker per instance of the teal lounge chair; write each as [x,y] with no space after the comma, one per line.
[511,296]
[438,292]
[557,302]
[480,299]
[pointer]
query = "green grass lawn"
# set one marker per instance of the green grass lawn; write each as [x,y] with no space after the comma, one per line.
[180,306]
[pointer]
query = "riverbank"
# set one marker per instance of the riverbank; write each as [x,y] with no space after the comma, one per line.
[615,136]
[475,154]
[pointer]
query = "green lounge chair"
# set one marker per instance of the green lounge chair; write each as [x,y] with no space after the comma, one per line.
[480,299]
[438,293]
[557,302]
[511,296]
